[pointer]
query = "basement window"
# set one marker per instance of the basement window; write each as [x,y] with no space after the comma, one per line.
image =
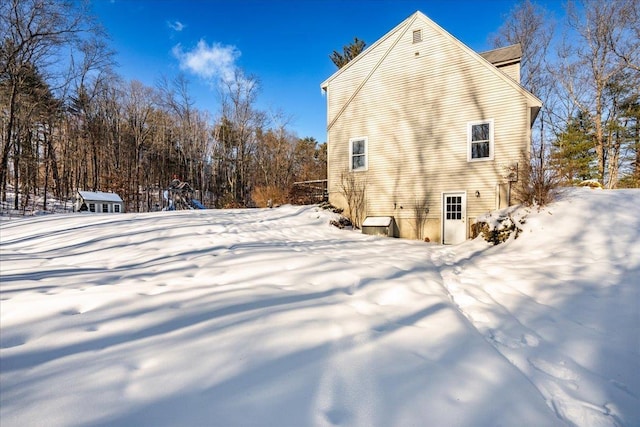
[417,36]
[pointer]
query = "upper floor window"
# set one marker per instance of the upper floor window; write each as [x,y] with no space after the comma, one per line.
[480,140]
[358,154]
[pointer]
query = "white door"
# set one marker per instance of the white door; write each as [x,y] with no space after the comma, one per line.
[454,212]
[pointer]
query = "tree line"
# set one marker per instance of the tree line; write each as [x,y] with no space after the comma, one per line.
[69,122]
[585,67]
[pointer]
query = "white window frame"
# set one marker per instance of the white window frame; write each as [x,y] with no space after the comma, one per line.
[470,125]
[366,154]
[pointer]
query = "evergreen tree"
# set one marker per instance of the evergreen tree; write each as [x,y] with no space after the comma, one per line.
[349,52]
[630,130]
[573,153]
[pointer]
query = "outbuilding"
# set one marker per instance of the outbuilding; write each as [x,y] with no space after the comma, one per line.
[98,201]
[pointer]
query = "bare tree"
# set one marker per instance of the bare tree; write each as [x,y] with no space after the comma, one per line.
[274,162]
[237,133]
[531,26]
[626,43]
[34,34]
[353,187]
[420,213]
[138,110]
[538,180]
[592,65]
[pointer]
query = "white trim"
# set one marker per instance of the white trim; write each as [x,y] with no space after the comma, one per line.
[491,140]
[533,100]
[366,153]
[409,22]
[403,27]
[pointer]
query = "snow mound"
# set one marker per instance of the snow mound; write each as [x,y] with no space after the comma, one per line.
[273,317]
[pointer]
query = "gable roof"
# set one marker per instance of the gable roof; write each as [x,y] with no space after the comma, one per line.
[503,55]
[534,103]
[407,22]
[99,196]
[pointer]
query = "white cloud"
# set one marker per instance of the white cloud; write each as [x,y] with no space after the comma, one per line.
[176,26]
[209,62]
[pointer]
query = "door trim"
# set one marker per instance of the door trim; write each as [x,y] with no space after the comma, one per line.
[444,194]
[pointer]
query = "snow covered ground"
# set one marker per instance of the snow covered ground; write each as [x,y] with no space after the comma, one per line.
[272,317]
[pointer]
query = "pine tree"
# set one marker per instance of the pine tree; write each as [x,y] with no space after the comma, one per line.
[573,154]
[630,173]
[349,52]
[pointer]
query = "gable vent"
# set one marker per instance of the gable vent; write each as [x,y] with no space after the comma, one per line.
[417,36]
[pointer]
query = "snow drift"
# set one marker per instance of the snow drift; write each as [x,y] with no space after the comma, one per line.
[271,317]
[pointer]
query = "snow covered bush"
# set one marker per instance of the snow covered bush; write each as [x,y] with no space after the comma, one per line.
[497,227]
[342,222]
[591,183]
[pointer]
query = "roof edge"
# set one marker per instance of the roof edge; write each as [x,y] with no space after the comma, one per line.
[534,101]
[388,34]
[503,55]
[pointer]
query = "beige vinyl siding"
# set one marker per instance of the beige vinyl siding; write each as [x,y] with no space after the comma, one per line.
[355,73]
[414,110]
[512,70]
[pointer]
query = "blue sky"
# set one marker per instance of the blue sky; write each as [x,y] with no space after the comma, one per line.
[284,43]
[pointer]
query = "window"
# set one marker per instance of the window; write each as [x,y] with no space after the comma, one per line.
[116,208]
[358,154]
[105,208]
[480,141]
[92,207]
[453,207]
[417,36]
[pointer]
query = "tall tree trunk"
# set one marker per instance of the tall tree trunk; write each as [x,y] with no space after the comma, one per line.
[636,145]
[16,174]
[4,166]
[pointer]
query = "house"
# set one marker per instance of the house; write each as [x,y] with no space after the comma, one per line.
[98,201]
[423,130]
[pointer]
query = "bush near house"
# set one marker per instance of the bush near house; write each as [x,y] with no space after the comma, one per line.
[497,227]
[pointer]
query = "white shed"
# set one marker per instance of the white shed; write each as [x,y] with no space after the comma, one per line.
[98,201]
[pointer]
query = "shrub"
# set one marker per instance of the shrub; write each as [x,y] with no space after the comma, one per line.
[591,183]
[499,226]
[538,182]
[268,196]
[353,187]
[341,222]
